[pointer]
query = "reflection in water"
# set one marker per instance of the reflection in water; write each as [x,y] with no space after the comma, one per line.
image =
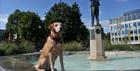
[16,63]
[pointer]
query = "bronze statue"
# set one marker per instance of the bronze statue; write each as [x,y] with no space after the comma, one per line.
[95,11]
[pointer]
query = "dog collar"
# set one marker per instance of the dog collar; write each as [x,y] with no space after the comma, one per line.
[55,39]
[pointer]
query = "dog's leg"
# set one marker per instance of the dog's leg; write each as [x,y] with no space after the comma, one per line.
[37,69]
[51,62]
[61,61]
[40,65]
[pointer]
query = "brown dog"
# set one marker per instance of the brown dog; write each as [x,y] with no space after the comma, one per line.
[51,50]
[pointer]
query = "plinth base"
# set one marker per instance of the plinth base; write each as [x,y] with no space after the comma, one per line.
[97,51]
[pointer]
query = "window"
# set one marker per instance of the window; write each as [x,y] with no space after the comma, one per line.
[134,16]
[126,32]
[112,39]
[131,32]
[112,34]
[119,33]
[123,32]
[123,38]
[139,30]
[116,21]
[138,16]
[126,25]
[121,19]
[116,39]
[122,26]
[125,18]
[115,33]
[138,23]
[134,24]
[129,17]
[131,25]
[132,38]
[113,21]
[120,39]
[114,28]
[135,31]
[136,38]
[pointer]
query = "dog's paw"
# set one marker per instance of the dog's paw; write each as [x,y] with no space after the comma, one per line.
[35,66]
[40,70]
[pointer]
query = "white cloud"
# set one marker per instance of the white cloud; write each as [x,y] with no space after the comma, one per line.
[42,18]
[4,18]
[2,26]
[105,25]
[100,13]
[87,22]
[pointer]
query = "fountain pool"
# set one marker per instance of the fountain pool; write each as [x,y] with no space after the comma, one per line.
[116,60]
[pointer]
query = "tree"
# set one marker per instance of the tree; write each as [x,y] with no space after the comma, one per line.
[25,24]
[74,28]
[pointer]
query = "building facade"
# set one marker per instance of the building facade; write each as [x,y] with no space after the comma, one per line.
[126,29]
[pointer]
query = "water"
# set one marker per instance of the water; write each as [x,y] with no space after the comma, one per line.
[116,60]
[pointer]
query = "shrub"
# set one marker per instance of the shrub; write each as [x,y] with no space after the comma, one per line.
[120,47]
[26,46]
[7,48]
[73,46]
[123,47]
[10,48]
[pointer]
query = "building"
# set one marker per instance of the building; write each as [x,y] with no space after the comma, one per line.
[126,29]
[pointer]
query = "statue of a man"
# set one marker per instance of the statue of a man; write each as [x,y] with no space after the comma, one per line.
[95,11]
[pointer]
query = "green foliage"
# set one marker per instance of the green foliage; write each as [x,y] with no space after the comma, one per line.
[74,28]
[9,48]
[25,24]
[106,36]
[26,46]
[121,47]
[73,46]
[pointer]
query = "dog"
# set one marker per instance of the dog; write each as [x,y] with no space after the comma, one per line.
[51,50]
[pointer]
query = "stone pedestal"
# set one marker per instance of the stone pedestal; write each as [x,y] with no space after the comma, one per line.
[97,51]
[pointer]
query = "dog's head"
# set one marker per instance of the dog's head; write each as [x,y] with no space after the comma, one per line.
[56,26]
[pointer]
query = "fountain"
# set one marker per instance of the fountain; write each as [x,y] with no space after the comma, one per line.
[116,60]
[97,51]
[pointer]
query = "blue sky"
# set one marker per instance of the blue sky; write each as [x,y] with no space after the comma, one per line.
[108,9]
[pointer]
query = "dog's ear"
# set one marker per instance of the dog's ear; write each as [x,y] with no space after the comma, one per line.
[50,26]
